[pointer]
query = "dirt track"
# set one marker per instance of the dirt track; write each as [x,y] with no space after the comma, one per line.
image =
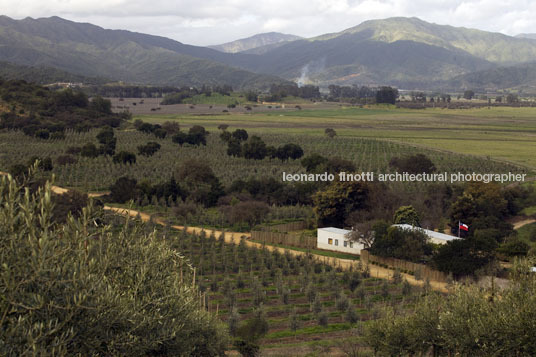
[234,237]
[524,222]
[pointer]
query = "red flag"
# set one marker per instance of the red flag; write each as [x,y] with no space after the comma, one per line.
[463,226]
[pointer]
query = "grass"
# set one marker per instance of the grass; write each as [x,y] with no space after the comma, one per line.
[525,232]
[529,211]
[502,133]
[218,99]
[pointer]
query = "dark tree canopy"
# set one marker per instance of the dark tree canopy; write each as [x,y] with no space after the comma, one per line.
[123,190]
[387,95]
[463,257]
[240,134]
[405,244]
[311,162]
[333,204]
[125,157]
[148,149]
[414,164]
[254,148]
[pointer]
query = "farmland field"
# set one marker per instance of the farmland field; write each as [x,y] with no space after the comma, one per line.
[95,174]
[501,133]
[249,281]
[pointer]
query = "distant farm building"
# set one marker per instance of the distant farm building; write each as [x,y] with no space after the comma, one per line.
[335,239]
[435,237]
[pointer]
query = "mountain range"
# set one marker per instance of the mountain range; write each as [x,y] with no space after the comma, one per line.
[406,52]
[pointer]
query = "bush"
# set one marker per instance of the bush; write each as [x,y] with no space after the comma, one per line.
[148,149]
[123,190]
[77,289]
[71,202]
[250,212]
[415,164]
[65,160]
[514,247]
[125,157]
[469,321]
[89,150]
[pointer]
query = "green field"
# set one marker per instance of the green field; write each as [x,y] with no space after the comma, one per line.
[499,133]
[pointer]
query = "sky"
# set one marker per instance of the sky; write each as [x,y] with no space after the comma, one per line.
[210,22]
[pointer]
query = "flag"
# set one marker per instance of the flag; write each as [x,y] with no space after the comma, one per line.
[463,226]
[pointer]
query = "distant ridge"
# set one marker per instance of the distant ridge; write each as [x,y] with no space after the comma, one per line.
[256,41]
[44,75]
[531,36]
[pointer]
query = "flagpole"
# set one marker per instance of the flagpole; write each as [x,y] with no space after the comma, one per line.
[458,229]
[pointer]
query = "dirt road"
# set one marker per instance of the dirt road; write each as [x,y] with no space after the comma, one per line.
[234,237]
[524,222]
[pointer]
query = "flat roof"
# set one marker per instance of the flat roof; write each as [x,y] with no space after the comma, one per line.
[431,234]
[334,230]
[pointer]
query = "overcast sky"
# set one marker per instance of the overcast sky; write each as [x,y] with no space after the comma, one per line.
[207,22]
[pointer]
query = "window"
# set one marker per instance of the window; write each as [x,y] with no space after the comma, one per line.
[330,240]
[336,242]
[345,243]
[351,244]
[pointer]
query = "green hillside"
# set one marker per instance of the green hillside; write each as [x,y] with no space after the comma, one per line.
[44,75]
[493,47]
[522,76]
[406,52]
[89,50]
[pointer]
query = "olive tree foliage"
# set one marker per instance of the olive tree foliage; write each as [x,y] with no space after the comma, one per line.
[83,288]
[470,321]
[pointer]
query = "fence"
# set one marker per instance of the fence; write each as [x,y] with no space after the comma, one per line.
[403,265]
[286,227]
[295,240]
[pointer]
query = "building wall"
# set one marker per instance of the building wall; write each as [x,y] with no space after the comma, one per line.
[438,241]
[323,242]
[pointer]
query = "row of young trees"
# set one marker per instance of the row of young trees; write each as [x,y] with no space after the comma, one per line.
[355,94]
[178,96]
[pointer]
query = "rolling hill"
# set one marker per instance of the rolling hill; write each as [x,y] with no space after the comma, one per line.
[250,44]
[44,75]
[89,50]
[517,77]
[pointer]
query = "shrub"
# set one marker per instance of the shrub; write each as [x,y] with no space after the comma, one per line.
[123,190]
[66,160]
[514,247]
[75,289]
[89,150]
[125,157]
[148,149]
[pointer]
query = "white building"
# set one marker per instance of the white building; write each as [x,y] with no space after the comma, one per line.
[435,237]
[331,238]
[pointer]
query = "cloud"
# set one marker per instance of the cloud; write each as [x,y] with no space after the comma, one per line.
[216,21]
